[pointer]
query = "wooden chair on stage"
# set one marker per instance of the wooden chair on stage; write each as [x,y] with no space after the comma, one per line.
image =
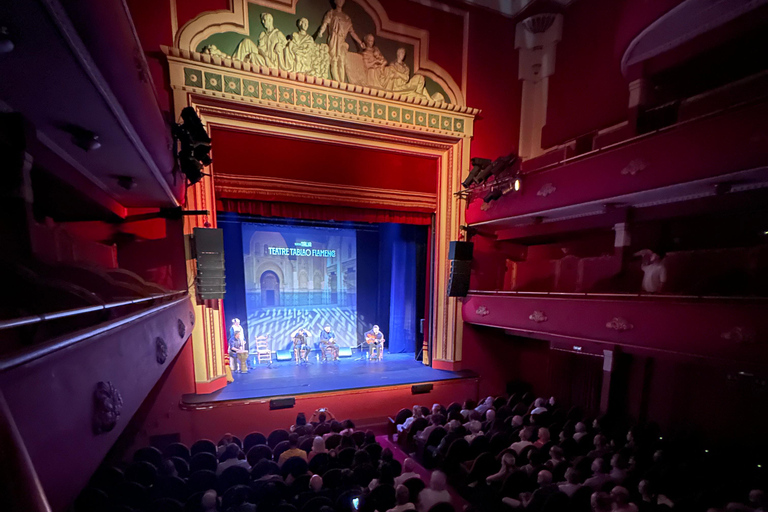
[263,353]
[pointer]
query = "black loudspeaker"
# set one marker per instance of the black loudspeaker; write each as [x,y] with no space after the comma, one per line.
[460,251]
[209,251]
[281,403]
[420,389]
[458,281]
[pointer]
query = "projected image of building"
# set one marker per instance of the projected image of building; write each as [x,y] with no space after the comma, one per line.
[299,278]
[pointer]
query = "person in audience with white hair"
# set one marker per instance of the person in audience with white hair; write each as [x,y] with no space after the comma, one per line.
[621,502]
[403,500]
[525,440]
[543,438]
[483,407]
[539,406]
[507,467]
[435,493]
[209,501]
[417,413]
[581,431]
[409,466]
[318,446]
[474,428]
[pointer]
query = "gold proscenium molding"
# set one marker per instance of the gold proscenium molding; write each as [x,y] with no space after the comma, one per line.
[238,96]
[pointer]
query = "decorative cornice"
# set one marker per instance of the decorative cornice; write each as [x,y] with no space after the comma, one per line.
[407,148]
[233,185]
[255,72]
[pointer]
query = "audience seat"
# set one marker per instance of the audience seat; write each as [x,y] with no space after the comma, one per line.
[203,460]
[203,445]
[253,439]
[277,436]
[178,450]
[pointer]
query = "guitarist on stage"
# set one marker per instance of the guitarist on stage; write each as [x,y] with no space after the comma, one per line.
[375,340]
[301,347]
[328,343]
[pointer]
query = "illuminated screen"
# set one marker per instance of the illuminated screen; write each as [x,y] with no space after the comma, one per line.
[300,277]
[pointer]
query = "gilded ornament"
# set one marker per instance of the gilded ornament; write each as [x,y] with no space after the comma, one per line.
[619,324]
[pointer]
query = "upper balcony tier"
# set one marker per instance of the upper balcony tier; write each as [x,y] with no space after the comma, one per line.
[723,331]
[677,163]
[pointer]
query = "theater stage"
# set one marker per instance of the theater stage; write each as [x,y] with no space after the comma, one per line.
[285,378]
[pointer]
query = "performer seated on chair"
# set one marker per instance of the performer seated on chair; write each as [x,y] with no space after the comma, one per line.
[375,340]
[237,351]
[301,348]
[328,344]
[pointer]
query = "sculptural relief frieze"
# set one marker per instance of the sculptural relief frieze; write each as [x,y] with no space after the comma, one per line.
[329,56]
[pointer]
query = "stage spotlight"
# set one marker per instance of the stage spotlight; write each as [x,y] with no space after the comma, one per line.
[477,165]
[517,184]
[493,195]
[195,145]
[498,166]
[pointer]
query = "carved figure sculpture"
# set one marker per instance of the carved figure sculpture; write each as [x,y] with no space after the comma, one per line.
[339,26]
[321,62]
[270,50]
[300,50]
[212,50]
[397,78]
[374,63]
[302,54]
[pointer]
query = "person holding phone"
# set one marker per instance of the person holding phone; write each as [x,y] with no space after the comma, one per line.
[321,415]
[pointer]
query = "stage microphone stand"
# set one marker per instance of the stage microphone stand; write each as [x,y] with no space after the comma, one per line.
[362,357]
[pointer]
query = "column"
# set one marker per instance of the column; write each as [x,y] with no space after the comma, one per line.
[536,39]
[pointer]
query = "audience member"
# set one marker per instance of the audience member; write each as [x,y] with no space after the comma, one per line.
[437,492]
[292,451]
[409,465]
[417,413]
[318,446]
[525,440]
[231,457]
[402,498]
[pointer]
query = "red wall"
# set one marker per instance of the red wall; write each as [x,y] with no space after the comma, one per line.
[261,155]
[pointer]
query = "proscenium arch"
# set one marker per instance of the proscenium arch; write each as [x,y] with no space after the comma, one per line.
[236,20]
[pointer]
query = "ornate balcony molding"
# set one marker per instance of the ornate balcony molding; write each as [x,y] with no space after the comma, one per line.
[482,311]
[619,324]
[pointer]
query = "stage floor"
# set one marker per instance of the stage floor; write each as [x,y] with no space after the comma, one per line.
[286,378]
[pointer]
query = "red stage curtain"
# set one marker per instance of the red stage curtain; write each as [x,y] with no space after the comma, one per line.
[317,212]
